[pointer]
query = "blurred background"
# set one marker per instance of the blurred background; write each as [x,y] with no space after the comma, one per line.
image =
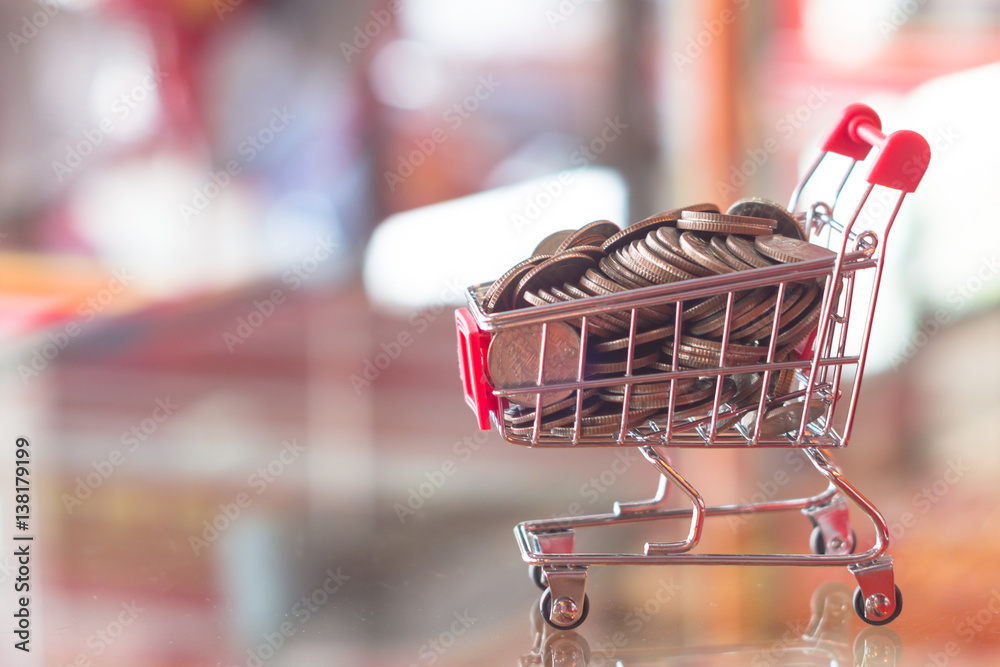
[232,235]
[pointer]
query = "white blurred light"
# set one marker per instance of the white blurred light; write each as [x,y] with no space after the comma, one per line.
[403,74]
[492,29]
[124,96]
[131,214]
[848,33]
[425,257]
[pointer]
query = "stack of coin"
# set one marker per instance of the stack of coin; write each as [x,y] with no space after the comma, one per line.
[682,244]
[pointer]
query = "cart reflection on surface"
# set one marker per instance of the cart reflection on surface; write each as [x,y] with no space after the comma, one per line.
[825,640]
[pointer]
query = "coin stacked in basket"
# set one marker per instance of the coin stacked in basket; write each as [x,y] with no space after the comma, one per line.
[601,259]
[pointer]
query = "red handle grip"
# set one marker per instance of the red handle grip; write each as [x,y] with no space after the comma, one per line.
[472,347]
[903,155]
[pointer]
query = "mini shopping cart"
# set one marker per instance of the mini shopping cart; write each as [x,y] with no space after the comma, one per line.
[827,374]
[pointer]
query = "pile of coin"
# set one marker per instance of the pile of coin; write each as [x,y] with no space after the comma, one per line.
[600,259]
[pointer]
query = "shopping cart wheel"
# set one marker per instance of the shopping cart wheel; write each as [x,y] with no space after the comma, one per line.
[817,541]
[859,607]
[537,576]
[545,606]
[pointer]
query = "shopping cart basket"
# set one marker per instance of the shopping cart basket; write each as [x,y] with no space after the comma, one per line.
[827,368]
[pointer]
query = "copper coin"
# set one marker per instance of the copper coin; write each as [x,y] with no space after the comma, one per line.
[744,249]
[698,250]
[499,296]
[734,349]
[787,250]
[545,297]
[681,263]
[755,207]
[701,309]
[610,363]
[697,402]
[748,386]
[724,228]
[718,223]
[512,360]
[556,419]
[556,270]
[642,254]
[668,240]
[550,244]
[593,251]
[797,298]
[613,321]
[782,419]
[615,393]
[640,338]
[599,285]
[591,234]
[605,423]
[596,324]
[620,274]
[745,309]
[643,227]
[534,299]
[728,219]
[718,246]
[519,415]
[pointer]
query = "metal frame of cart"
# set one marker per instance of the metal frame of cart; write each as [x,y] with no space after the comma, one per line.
[829,375]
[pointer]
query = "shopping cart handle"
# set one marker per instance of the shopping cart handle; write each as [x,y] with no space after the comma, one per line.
[472,347]
[903,155]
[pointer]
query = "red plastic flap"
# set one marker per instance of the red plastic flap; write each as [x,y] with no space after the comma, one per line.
[843,139]
[472,347]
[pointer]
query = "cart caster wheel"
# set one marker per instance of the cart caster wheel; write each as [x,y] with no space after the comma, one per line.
[818,545]
[545,606]
[537,576]
[859,607]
